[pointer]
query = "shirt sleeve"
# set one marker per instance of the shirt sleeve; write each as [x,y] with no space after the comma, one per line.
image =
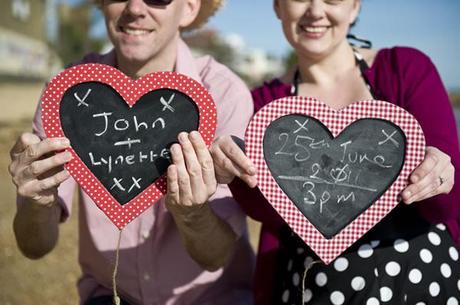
[66,189]
[234,110]
[426,98]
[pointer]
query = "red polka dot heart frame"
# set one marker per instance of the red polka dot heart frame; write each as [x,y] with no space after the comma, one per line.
[332,175]
[121,130]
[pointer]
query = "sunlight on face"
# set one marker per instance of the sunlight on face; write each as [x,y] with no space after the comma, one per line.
[316,27]
[141,32]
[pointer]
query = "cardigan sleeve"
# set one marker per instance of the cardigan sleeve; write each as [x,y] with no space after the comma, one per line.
[423,94]
[252,201]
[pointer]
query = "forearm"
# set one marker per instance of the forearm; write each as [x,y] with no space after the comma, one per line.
[36,228]
[209,240]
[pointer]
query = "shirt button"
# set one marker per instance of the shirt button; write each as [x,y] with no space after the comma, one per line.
[145,234]
[146,276]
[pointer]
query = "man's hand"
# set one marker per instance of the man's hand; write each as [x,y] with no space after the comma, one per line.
[191,182]
[191,178]
[36,170]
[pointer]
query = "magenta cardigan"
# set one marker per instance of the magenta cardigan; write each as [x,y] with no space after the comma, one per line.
[405,77]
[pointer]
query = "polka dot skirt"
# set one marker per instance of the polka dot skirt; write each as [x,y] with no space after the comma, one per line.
[417,270]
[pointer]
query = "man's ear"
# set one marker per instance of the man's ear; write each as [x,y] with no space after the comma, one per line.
[276,8]
[190,11]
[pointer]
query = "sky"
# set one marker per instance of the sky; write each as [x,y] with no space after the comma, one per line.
[432,26]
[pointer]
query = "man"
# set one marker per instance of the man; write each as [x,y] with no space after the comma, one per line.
[187,248]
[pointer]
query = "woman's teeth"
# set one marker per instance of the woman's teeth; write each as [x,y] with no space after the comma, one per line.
[314,29]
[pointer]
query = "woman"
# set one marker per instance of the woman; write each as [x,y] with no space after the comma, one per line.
[408,258]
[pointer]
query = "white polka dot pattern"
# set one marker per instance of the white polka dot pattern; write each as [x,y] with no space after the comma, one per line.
[131,91]
[336,121]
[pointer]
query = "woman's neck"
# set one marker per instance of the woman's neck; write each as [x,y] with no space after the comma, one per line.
[327,69]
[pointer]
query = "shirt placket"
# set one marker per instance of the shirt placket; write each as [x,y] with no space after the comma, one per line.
[145,258]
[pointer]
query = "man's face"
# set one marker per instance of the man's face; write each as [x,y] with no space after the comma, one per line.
[141,32]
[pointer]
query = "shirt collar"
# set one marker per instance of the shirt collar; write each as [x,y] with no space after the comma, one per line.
[185,62]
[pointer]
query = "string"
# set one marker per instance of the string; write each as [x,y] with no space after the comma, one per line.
[305,276]
[116,298]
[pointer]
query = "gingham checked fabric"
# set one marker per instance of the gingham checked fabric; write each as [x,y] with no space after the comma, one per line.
[335,121]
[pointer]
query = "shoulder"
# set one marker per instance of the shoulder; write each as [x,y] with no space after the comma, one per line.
[404,59]
[219,79]
[231,96]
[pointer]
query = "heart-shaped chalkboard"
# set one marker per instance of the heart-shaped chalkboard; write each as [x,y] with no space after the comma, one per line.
[333,180]
[121,130]
[332,175]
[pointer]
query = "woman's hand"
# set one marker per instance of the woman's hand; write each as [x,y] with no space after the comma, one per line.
[191,178]
[35,168]
[434,176]
[230,162]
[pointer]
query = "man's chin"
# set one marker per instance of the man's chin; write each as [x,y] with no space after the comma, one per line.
[135,56]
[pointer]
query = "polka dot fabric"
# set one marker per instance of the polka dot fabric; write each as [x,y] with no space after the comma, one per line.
[389,273]
[336,121]
[131,91]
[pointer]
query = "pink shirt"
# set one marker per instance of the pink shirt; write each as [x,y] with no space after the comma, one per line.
[154,267]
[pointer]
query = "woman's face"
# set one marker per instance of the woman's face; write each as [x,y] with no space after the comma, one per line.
[140,31]
[316,27]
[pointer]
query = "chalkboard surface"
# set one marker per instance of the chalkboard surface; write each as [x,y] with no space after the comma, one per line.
[127,149]
[332,181]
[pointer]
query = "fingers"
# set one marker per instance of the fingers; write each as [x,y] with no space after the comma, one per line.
[43,191]
[237,156]
[230,161]
[25,140]
[425,180]
[205,161]
[185,189]
[192,175]
[173,185]
[35,174]
[41,167]
[29,148]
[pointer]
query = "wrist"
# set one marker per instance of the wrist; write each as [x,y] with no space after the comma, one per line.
[191,216]
[40,213]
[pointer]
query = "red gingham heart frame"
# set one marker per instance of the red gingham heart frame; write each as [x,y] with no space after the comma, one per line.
[131,91]
[335,121]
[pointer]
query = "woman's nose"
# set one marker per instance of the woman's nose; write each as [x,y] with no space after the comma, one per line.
[315,9]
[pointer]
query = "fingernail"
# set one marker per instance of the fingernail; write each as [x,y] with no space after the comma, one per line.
[183,136]
[415,178]
[252,170]
[65,141]
[174,148]
[67,156]
[405,195]
[194,134]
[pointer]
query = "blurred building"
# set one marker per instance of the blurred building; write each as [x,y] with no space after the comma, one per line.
[24,49]
[252,64]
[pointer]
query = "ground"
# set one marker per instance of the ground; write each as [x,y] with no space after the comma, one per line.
[23,281]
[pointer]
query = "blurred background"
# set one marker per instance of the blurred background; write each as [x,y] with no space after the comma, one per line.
[38,37]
